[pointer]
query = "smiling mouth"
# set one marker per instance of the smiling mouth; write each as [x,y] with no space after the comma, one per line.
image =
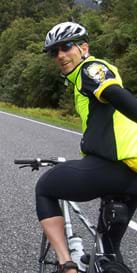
[64,64]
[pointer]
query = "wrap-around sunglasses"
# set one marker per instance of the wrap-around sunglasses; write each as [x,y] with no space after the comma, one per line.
[53,52]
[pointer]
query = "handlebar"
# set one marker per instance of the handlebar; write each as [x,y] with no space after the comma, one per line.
[35,164]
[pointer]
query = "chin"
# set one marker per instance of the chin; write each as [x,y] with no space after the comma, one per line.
[67,71]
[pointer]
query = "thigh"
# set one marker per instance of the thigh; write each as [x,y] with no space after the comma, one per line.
[85,179]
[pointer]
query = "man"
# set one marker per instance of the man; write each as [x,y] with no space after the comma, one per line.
[109,144]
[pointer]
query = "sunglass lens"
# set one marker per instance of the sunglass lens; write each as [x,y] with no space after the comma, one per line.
[67,46]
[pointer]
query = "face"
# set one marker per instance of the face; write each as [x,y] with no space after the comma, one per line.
[68,55]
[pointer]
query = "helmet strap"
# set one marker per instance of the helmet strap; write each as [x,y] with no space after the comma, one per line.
[83,57]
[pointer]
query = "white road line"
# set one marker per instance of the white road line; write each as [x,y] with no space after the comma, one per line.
[132,224]
[42,123]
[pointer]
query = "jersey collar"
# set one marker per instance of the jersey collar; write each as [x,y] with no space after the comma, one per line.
[72,76]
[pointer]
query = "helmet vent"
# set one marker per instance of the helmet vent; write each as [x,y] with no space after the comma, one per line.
[78,30]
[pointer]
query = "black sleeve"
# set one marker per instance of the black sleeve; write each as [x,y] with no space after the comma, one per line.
[122,100]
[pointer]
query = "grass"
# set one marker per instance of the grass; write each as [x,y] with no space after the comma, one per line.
[52,116]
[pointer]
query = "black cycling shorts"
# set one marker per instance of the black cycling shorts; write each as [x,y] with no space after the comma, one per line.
[82,180]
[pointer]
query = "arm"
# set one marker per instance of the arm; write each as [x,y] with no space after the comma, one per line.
[122,100]
[95,76]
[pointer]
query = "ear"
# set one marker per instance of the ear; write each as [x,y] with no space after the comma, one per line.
[85,48]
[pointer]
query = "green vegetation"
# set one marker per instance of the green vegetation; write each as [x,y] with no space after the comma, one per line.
[29,79]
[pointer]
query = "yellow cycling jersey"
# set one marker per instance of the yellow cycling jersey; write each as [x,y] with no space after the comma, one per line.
[106,132]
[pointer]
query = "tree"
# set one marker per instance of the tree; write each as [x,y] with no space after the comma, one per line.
[42,90]
[24,70]
[11,77]
[17,37]
[128,68]
[126,10]
[108,5]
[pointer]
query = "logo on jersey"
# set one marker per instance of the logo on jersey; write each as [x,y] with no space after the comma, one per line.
[97,72]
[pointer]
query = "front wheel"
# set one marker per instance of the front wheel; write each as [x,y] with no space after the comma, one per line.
[115,267]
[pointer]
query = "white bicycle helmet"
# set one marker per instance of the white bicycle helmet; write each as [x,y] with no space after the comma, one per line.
[67,31]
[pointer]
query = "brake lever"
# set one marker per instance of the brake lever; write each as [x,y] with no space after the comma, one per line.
[24,166]
[34,168]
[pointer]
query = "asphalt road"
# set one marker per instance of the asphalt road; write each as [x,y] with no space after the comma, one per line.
[20,232]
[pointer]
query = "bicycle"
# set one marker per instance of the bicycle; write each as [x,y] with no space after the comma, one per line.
[102,258]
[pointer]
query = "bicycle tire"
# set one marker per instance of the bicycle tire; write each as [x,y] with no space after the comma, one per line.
[116,267]
[48,259]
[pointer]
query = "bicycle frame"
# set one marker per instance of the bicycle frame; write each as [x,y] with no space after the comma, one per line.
[66,205]
[98,255]
[66,212]
[95,260]
[102,258]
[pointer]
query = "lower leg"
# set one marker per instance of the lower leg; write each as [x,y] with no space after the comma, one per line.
[54,230]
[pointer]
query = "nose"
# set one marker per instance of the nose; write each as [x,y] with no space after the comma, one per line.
[61,53]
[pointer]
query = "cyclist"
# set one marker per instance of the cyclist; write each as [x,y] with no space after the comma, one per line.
[109,144]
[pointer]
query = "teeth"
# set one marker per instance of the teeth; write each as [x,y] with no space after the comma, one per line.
[64,63]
